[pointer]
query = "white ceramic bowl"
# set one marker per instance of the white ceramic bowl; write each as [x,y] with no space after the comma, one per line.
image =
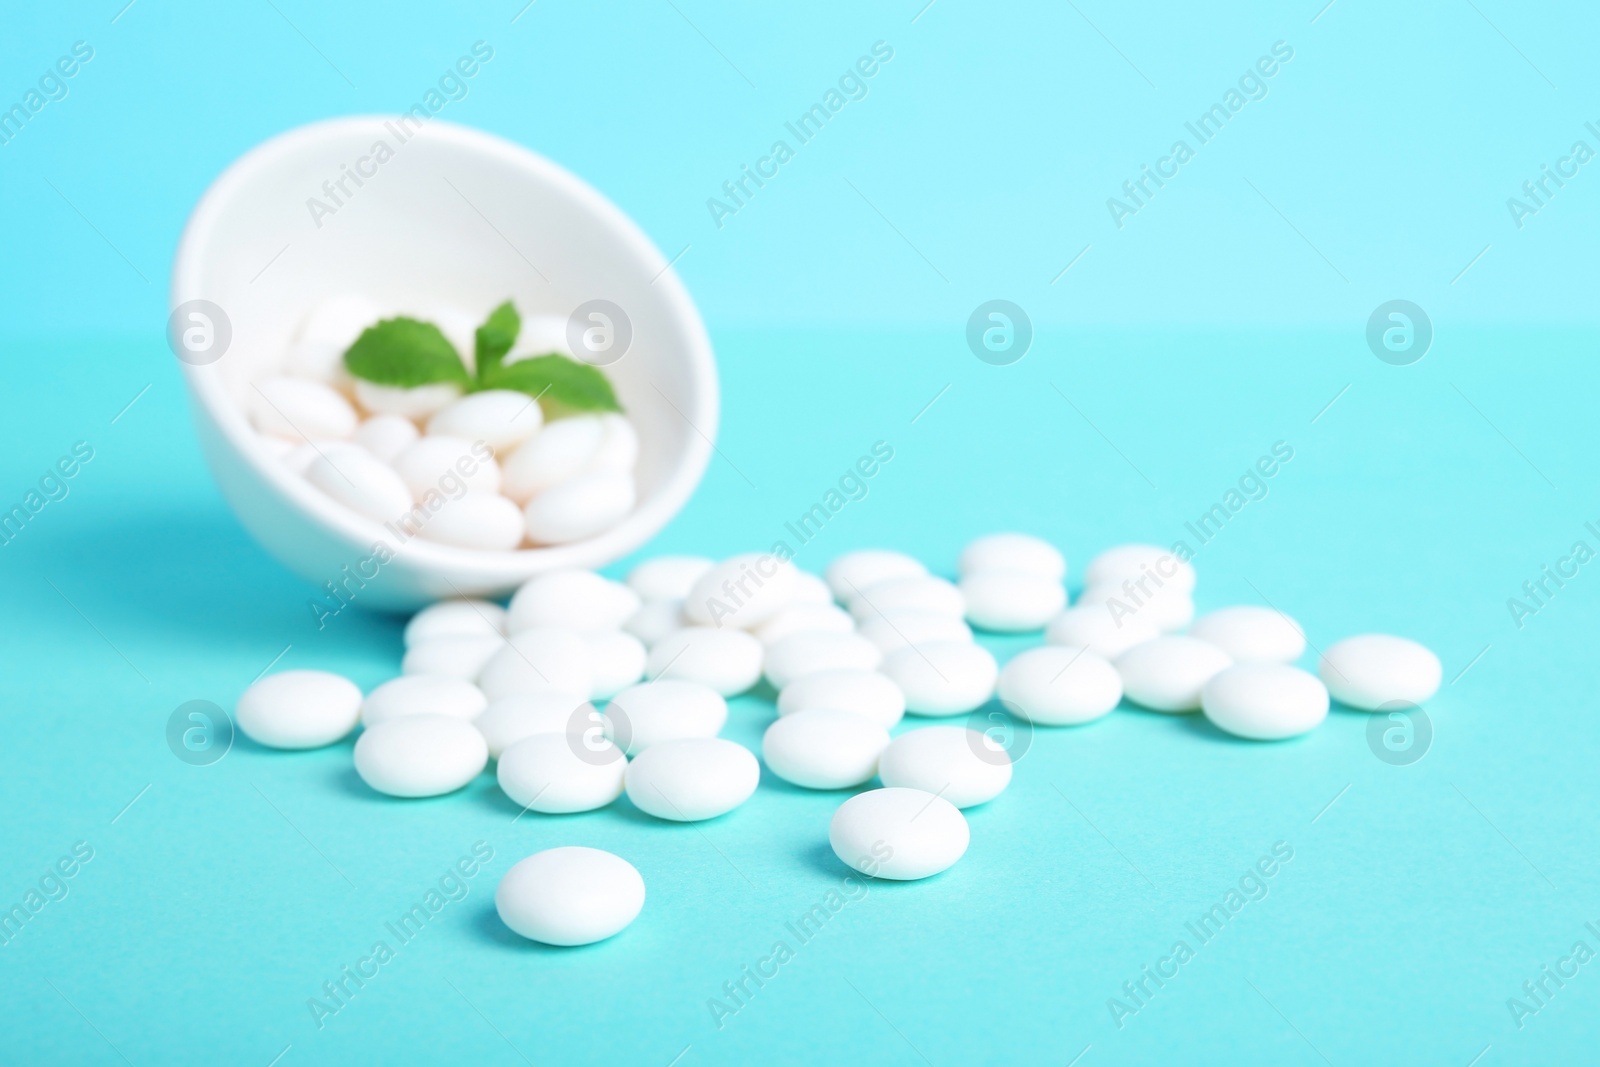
[458,217]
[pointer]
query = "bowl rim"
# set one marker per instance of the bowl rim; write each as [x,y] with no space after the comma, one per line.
[476,566]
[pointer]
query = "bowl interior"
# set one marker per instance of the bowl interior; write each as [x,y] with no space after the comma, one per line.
[416,215]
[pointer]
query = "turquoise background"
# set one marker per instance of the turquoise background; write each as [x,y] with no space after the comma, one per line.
[1227,315]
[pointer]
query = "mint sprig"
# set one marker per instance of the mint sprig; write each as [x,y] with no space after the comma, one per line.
[406,352]
[564,386]
[496,336]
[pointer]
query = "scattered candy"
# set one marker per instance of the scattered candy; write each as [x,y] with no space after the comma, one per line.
[943,678]
[898,833]
[1371,670]
[959,764]
[550,686]
[820,749]
[1059,685]
[1168,673]
[299,709]
[871,695]
[1252,634]
[570,896]
[1265,701]
[420,755]
[556,774]
[693,779]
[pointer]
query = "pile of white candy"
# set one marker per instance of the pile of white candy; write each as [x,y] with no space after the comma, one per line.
[517,684]
[479,471]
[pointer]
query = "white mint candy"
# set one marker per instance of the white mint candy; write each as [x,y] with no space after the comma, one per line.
[300,409]
[898,629]
[1167,609]
[541,711]
[1060,686]
[1132,562]
[865,693]
[668,577]
[415,403]
[619,445]
[805,618]
[963,766]
[299,709]
[456,618]
[898,833]
[582,600]
[484,521]
[580,507]
[361,482]
[447,466]
[570,896]
[553,775]
[386,436]
[823,749]
[666,710]
[693,779]
[300,457]
[743,591]
[340,320]
[1012,601]
[423,694]
[420,755]
[1013,552]
[500,418]
[1095,628]
[1252,634]
[943,678]
[546,657]
[559,452]
[1372,670]
[810,589]
[459,657]
[1265,701]
[616,660]
[818,650]
[655,620]
[923,592]
[854,571]
[728,661]
[1167,674]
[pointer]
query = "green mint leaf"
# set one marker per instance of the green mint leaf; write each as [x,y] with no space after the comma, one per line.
[564,386]
[496,336]
[405,353]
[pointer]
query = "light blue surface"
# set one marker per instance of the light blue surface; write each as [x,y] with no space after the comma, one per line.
[1176,351]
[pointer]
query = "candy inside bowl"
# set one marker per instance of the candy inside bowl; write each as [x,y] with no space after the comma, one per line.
[386,245]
